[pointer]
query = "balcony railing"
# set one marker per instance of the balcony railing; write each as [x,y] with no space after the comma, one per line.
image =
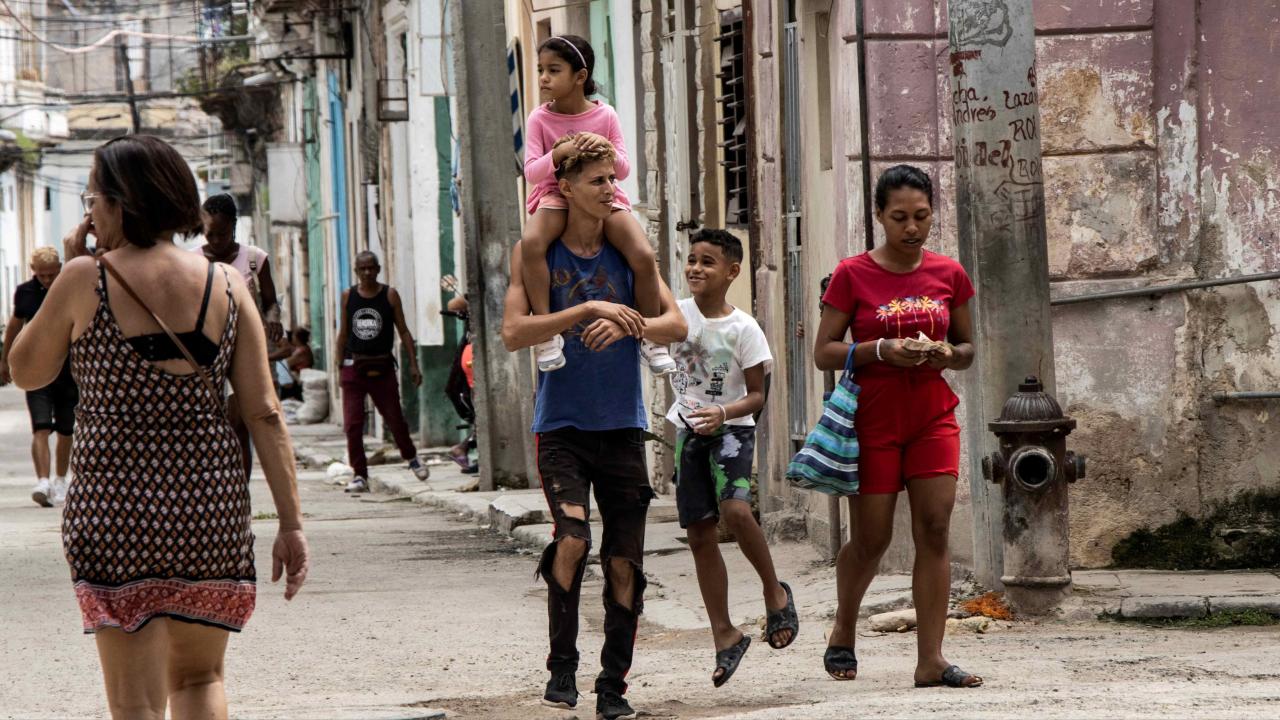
[393,100]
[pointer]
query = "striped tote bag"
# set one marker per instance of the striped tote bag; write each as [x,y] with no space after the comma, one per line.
[828,462]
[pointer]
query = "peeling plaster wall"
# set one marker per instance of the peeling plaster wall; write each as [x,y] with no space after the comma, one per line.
[1162,164]
[1239,180]
[1159,137]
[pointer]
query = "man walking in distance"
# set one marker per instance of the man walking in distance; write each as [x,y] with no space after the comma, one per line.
[219,215]
[590,421]
[52,407]
[367,367]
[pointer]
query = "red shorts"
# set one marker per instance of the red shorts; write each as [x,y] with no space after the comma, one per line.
[907,429]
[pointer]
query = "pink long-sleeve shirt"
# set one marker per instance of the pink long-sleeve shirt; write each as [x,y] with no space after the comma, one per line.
[545,127]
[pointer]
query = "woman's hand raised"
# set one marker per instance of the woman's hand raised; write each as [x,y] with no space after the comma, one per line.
[76,243]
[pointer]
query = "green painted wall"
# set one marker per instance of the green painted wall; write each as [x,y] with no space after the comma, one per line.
[436,417]
[602,43]
[315,228]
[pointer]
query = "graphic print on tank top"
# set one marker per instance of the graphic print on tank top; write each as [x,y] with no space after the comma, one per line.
[569,289]
[366,323]
[597,389]
[372,333]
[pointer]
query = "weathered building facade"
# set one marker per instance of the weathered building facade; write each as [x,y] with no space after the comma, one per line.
[1159,167]
[32,121]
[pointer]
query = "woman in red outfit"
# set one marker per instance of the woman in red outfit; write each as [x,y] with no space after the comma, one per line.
[906,420]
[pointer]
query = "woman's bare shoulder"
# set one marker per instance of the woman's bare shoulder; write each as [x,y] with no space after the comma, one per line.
[79,275]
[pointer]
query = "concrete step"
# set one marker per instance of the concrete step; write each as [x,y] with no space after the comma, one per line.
[517,508]
[470,506]
[659,538]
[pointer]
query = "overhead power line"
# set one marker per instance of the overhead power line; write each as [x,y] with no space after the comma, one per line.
[117,33]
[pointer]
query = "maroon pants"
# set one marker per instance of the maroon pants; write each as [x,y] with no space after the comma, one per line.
[385,393]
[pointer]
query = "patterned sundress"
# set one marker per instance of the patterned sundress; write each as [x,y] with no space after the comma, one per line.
[157,519]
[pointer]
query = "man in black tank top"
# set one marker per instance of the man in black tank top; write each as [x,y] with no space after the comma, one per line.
[371,315]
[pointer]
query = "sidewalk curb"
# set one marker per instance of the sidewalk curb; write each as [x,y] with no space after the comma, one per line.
[1234,603]
[522,516]
[1169,606]
[518,514]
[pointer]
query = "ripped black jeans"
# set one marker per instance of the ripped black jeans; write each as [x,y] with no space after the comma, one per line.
[610,463]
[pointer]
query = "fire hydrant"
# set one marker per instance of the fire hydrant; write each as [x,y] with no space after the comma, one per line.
[1034,467]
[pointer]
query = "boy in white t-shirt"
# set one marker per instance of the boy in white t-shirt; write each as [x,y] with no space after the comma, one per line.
[719,387]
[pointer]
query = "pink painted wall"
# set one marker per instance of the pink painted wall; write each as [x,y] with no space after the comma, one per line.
[1162,163]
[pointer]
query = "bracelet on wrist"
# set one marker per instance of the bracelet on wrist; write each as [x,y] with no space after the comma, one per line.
[878,355]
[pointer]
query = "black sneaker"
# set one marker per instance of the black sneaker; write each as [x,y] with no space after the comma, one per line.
[612,706]
[562,691]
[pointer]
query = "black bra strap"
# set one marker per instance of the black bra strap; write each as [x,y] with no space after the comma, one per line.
[204,304]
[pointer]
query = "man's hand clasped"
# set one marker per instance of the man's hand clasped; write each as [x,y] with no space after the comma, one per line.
[612,323]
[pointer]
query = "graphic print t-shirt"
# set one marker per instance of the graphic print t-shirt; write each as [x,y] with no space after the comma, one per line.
[595,390]
[27,299]
[711,361]
[885,304]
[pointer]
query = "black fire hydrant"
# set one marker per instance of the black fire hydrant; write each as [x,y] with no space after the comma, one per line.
[1034,467]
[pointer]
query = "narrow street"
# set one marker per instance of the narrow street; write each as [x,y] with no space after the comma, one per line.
[409,612]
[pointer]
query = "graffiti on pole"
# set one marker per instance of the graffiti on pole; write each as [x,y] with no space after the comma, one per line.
[982,22]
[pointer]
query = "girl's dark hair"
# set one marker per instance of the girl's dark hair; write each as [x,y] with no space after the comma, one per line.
[222,204]
[153,186]
[902,176]
[563,46]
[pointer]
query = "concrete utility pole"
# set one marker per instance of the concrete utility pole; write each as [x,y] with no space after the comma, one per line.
[135,118]
[491,227]
[1001,227]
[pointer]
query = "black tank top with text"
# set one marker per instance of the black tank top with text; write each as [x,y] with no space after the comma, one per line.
[371,323]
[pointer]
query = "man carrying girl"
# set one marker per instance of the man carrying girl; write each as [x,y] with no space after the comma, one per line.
[565,65]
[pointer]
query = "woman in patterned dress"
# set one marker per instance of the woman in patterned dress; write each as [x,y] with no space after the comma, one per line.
[157,521]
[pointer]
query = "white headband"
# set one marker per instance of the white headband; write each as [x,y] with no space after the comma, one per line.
[575,49]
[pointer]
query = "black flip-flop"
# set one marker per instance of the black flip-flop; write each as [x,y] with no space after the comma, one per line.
[954,677]
[784,618]
[840,659]
[728,659]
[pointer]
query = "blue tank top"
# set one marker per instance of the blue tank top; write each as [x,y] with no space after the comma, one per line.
[594,390]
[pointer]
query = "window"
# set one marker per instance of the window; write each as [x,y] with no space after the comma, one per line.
[732,101]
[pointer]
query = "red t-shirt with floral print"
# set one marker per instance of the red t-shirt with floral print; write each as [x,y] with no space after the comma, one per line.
[886,304]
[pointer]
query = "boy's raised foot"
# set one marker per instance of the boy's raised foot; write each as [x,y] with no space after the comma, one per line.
[658,357]
[550,354]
